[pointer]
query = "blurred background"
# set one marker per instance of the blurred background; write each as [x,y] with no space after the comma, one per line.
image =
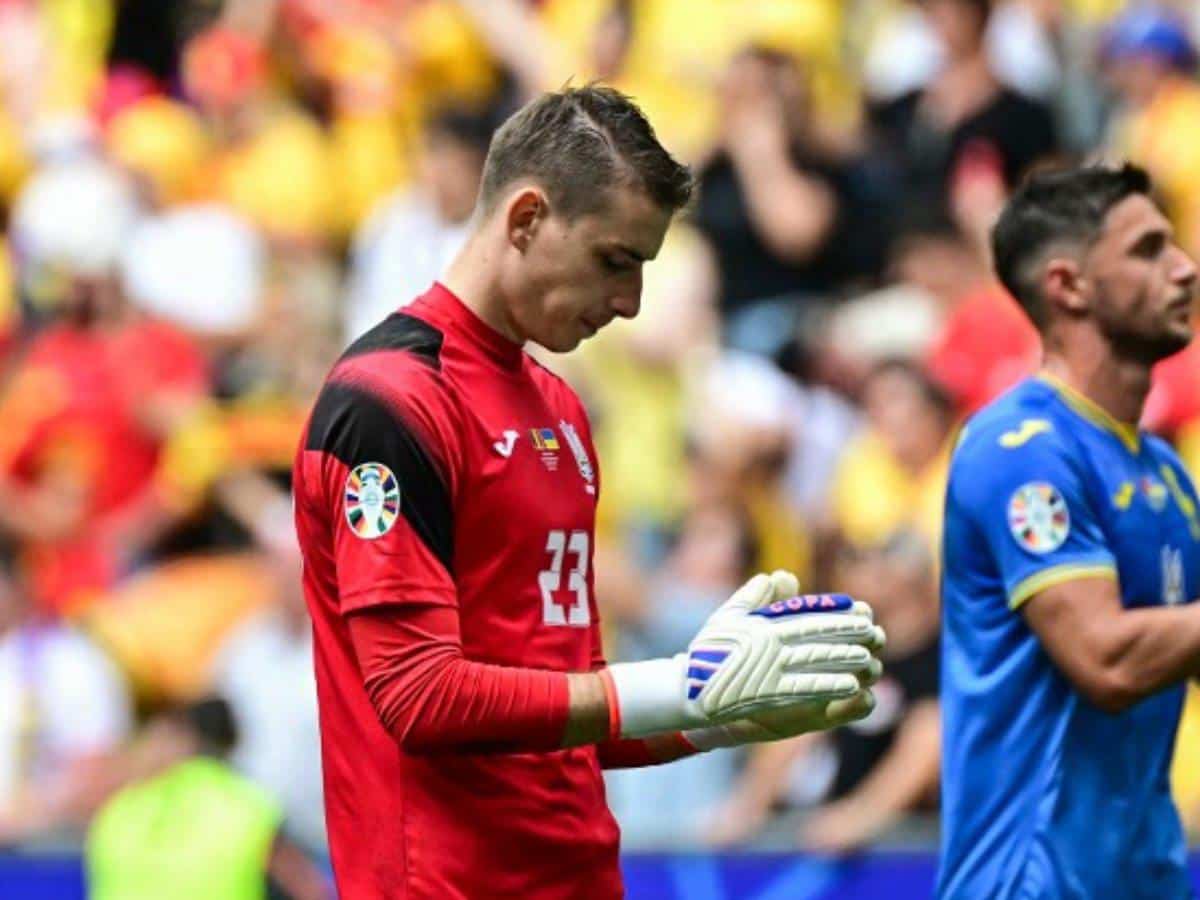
[203,202]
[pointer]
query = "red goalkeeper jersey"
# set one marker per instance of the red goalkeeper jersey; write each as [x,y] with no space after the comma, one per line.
[448,479]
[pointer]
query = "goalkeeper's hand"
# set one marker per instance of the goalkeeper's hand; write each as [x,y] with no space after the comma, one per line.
[785,721]
[764,649]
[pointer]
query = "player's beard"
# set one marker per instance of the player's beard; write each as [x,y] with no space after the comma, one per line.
[1146,348]
[1142,339]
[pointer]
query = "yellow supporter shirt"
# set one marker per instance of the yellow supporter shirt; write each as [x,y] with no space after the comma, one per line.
[874,497]
[283,179]
[681,47]
[1185,773]
[1163,137]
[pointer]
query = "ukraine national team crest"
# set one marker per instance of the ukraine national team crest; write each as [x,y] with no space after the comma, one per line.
[1155,491]
[372,500]
[1038,517]
[546,443]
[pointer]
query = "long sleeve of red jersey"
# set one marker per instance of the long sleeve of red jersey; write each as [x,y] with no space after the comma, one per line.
[431,698]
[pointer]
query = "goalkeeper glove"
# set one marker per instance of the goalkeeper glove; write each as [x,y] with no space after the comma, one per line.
[785,721]
[765,647]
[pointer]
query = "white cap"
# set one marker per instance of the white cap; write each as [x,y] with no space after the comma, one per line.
[74,215]
[200,267]
[747,391]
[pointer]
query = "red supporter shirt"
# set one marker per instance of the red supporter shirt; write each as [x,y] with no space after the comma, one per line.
[72,409]
[1174,398]
[445,500]
[986,346]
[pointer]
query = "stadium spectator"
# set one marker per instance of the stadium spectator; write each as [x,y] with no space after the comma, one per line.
[84,428]
[984,343]
[740,431]
[964,123]
[65,712]
[714,552]
[893,476]
[1149,58]
[192,828]
[790,218]
[264,669]
[412,236]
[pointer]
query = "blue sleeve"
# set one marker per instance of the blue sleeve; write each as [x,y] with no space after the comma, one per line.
[1032,507]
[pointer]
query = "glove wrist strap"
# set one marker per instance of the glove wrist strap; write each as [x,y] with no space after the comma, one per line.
[647,697]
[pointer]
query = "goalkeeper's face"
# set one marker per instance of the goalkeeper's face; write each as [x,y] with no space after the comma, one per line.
[575,275]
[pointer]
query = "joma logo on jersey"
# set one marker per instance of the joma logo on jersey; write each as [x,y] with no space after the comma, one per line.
[1024,433]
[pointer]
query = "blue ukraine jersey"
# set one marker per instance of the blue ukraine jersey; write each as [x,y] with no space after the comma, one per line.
[1044,795]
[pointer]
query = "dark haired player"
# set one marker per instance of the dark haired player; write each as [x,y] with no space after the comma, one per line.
[1072,552]
[445,501]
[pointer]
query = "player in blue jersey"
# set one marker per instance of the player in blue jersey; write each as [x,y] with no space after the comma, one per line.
[1072,550]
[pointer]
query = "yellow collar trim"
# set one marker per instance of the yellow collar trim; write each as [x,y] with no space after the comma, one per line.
[1126,433]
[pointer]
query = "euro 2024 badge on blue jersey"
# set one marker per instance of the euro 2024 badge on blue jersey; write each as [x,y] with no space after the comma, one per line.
[1038,517]
[372,500]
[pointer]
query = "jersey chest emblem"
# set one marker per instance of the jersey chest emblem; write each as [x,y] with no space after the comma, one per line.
[372,500]
[586,472]
[1038,517]
[545,442]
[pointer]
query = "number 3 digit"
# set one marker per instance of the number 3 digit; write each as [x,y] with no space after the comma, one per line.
[577,612]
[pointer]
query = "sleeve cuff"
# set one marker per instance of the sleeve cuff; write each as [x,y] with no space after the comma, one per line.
[395,594]
[1046,578]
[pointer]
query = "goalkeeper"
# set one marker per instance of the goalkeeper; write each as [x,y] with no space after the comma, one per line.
[445,503]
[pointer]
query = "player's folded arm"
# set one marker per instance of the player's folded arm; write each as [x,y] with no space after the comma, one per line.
[1039,519]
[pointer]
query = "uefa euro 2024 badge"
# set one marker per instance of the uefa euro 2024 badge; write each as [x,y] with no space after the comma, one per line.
[372,500]
[1038,517]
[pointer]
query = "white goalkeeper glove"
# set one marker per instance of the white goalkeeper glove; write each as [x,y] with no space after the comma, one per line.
[763,649]
[785,721]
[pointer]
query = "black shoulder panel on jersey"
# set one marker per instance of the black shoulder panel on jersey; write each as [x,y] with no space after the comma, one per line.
[400,331]
[357,427]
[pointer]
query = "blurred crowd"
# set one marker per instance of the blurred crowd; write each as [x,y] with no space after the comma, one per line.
[202,202]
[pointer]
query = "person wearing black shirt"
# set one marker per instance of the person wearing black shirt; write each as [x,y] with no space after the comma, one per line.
[964,119]
[790,217]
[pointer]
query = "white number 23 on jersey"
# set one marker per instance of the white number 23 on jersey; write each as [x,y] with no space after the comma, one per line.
[572,610]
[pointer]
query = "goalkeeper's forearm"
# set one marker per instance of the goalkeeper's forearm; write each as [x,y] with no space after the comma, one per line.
[431,698]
